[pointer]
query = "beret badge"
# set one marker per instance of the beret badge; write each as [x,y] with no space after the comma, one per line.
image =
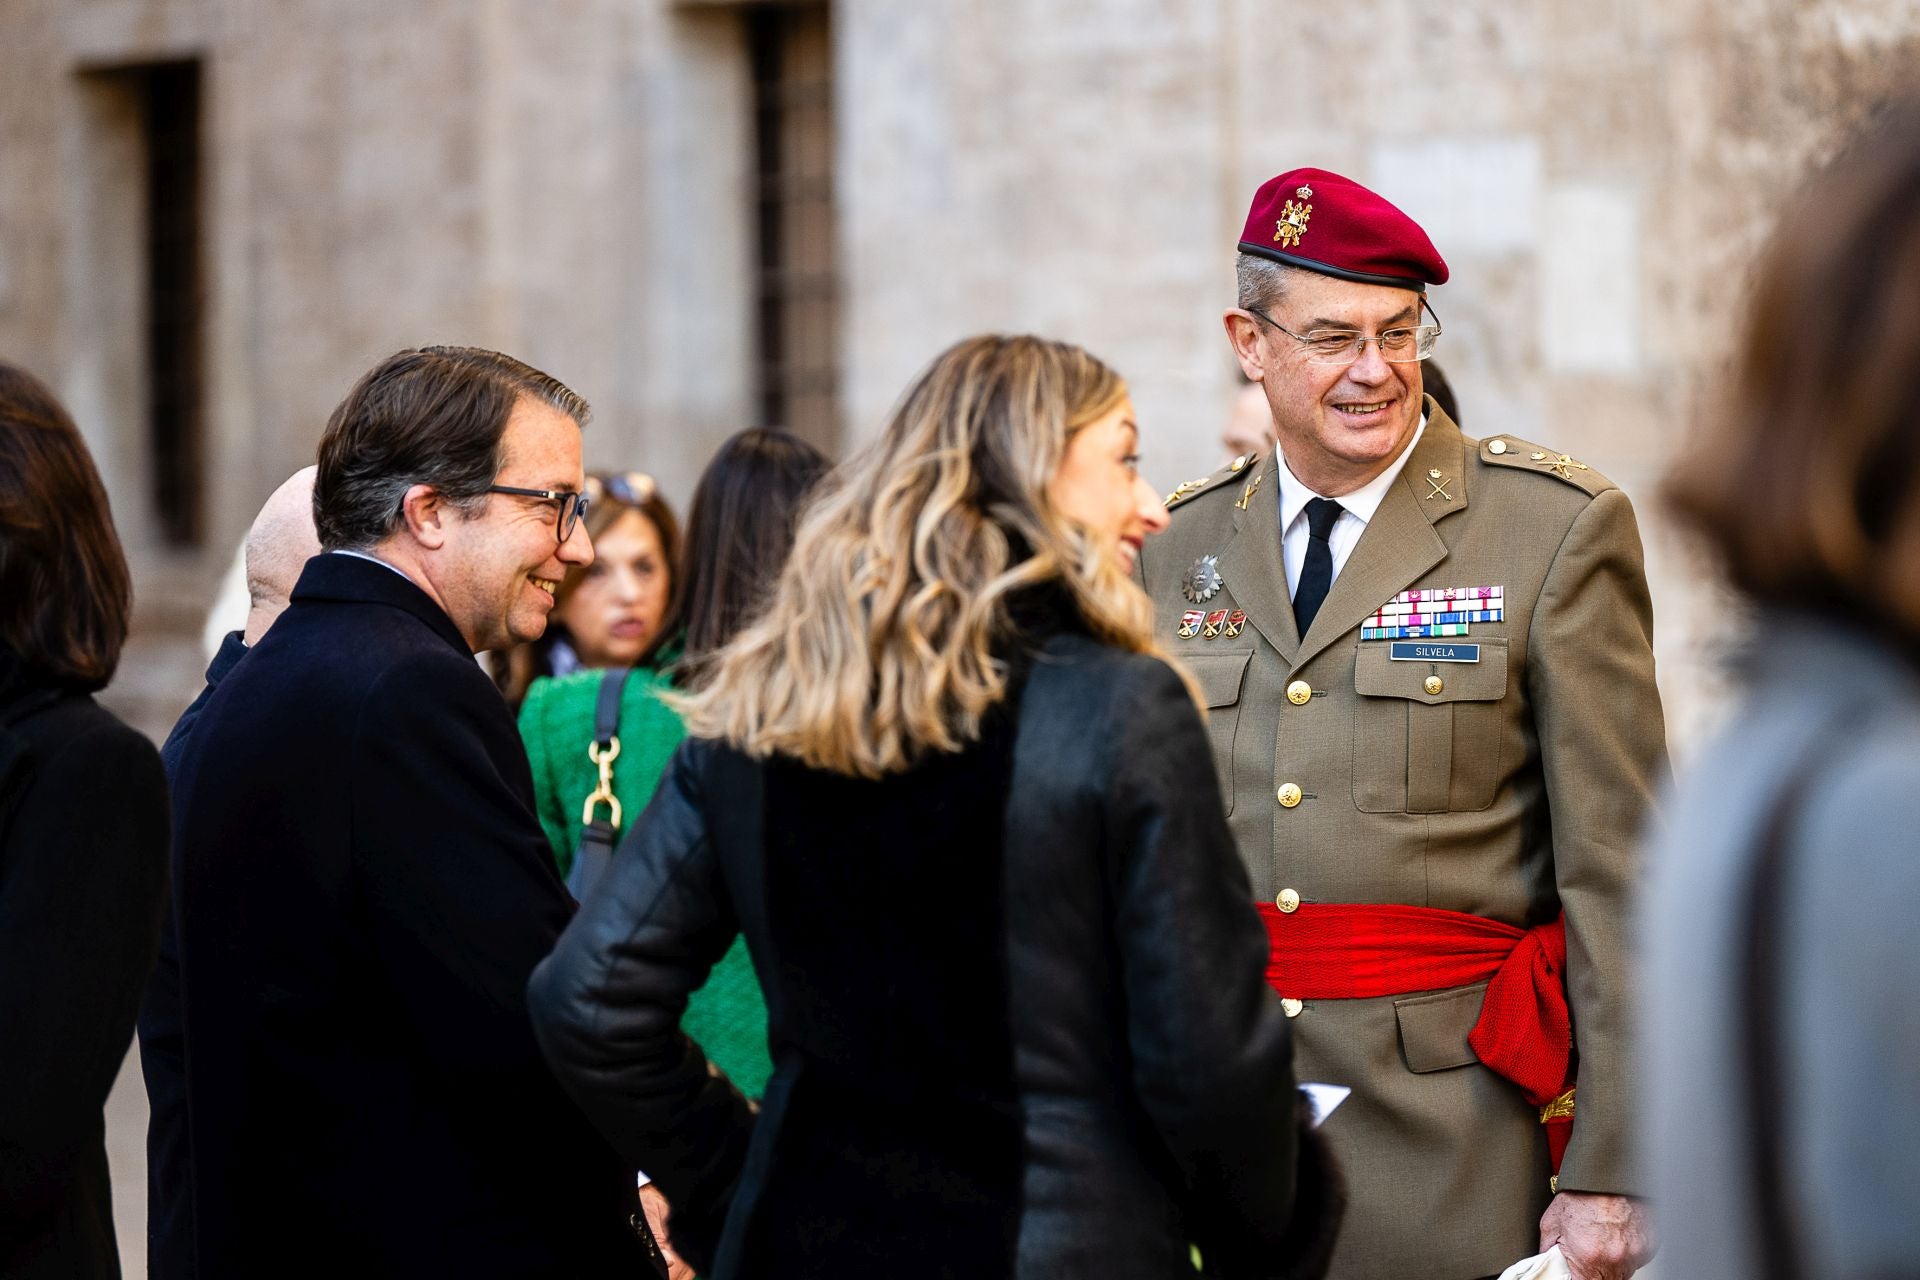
[1292,223]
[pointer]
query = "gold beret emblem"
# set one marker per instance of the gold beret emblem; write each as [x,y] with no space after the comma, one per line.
[1293,220]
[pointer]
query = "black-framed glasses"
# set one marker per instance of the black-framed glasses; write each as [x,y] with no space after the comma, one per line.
[1343,346]
[572,505]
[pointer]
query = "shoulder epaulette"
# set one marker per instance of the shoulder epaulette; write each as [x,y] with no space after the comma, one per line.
[1188,489]
[1521,455]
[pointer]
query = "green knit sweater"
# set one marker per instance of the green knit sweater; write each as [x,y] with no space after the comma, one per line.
[728,1016]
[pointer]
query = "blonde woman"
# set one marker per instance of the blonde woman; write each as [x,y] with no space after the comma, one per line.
[968,824]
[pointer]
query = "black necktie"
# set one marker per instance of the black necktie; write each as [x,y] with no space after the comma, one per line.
[1317,574]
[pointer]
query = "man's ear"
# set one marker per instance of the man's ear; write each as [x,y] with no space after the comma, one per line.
[426,513]
[1244,333]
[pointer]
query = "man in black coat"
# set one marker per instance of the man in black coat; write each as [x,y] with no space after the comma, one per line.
[363,886]
[279,543]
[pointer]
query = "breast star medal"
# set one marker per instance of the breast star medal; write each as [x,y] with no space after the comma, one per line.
[1293,220]
[1202,581]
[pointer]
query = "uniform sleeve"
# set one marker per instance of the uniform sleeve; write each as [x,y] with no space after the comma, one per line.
[536,731]
[607,1006]
[1212,1051]
[1603,751]
[85,889]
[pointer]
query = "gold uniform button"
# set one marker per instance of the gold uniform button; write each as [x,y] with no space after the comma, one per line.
[1298,692]
[1291,1007]
[1288,795]
[1497,446]
[1435,684]
[1288,901]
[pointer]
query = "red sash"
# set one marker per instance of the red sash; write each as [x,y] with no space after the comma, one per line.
[1330,951]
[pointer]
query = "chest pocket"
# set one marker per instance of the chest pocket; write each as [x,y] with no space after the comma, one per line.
[1416,751]
[1220,676]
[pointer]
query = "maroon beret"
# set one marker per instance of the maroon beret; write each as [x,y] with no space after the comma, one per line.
[1323,222]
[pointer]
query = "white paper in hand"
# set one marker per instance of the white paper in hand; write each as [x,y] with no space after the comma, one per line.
[1550,1265]
[1323,1098]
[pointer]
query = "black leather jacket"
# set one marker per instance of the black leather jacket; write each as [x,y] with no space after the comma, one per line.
[1016,998]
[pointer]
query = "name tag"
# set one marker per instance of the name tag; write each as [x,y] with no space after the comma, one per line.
[1413,651]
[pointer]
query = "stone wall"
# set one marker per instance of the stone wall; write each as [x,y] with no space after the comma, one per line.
[573,183]
[1597,174]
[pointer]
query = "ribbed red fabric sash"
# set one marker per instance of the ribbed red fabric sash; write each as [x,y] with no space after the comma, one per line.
[1357,951]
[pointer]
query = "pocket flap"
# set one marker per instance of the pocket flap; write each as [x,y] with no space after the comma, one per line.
[1433,1029]
[1218,674]
[1376,674]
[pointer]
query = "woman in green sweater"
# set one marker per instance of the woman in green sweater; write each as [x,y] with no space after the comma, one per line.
[739,531]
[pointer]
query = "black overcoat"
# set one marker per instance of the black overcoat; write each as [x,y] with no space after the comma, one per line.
[163,1055]
[362,891]
[83,866]
[1016,996]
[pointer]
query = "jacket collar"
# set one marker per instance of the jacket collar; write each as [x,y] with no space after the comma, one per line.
[233,647]
[351,580]
[1398,546]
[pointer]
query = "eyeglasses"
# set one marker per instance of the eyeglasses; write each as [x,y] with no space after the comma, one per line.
[635,488]
[572,505]
[1343,346]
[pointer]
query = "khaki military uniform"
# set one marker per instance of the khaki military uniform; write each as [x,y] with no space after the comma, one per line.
[1512,788]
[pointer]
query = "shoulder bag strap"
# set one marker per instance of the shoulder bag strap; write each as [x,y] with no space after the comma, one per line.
[1763,1047]
[600,821]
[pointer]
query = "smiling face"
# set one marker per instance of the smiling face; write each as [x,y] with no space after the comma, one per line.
[501,567]
[1098,485]
[613,610]
[1339,425]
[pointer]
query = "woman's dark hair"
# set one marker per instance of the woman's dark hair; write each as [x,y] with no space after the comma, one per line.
[739,531]
[1807,482]
[65,594]
[430,415]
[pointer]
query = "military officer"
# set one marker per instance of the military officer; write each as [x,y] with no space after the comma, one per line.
[1429,671]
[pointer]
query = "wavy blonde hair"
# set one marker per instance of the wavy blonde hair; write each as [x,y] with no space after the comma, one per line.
[882,638]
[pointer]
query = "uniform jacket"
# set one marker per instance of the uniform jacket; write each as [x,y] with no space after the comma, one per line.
[163,1056]
[362,892]
[83,866]
[1018,1021]
[1827,741]
[1515,791]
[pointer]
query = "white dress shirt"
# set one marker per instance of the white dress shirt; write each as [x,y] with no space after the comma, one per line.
[1356,509]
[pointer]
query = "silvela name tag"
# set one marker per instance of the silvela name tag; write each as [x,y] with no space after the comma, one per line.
[1420,651]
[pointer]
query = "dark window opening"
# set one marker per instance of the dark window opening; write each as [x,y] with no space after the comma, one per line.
[796,304]
[174,299]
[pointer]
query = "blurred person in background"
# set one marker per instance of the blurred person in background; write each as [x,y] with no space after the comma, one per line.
[278,545]
[1249,429]
[1782,1041]
[966,820]
[739,530]
[1434,382]
[614,612]
[83,843]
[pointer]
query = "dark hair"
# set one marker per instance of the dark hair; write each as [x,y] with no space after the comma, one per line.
[739,531]
[429,415]
[1807,481]
[1435,384]
[611,495]
[65,595]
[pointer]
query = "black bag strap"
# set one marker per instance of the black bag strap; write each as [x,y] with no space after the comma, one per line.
[600,820]
[1762,1046]
[606,709]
